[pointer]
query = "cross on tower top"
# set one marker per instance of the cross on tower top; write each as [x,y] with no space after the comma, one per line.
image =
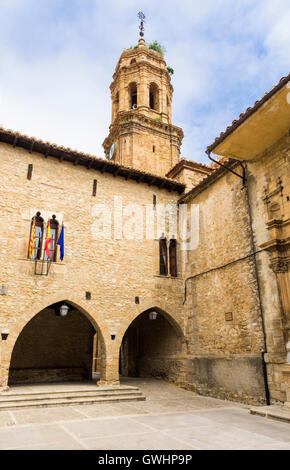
[142,17]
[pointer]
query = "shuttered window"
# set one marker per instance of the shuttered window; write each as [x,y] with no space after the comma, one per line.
[173,257]
[163,259]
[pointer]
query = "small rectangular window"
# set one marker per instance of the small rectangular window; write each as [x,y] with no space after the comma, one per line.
[154,202]
[95,184]
[173,257]
[29,171]
[163,258]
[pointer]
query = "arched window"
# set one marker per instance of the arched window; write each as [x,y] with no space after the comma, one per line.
[54,234]
[163,259]
[133,95]
[154,97]
[36,254]
[173,257]
[115,105]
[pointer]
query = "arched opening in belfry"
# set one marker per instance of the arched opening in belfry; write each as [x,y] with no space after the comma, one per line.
[133,95]
[154,97]
[116,104]
[152,346]
[57,345]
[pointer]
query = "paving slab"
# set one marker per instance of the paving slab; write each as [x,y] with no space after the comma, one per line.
[20,436]
[171,418]
[144,441]
[105,410]
[222,437]
[105,427]
[46,415]
[173,421]
[6,419]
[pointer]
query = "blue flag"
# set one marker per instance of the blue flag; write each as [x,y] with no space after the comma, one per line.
[61,243]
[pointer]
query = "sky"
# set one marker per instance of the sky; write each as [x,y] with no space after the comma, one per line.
[58,58]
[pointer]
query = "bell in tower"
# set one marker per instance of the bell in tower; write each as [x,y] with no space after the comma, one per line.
[141,133]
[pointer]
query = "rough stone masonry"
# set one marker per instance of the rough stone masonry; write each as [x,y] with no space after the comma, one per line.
[126,296]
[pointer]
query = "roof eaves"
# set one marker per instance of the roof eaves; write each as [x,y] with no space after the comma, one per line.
[84,159]
[249,111]
[220,171]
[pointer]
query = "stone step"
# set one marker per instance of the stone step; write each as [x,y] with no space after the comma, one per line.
[51,393]
[280,413]
[67,396]
[66,401]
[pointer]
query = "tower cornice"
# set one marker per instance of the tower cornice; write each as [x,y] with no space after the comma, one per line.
[127,122]
[143,65]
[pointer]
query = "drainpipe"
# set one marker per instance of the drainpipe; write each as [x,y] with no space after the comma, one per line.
[267,391]
[244,178]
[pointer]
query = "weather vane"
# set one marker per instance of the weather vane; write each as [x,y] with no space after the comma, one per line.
[142,17]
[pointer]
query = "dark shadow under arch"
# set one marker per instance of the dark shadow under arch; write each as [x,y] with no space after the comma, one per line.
[51,348]
[152,347]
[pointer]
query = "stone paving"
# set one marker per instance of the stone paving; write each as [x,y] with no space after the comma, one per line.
[170,419]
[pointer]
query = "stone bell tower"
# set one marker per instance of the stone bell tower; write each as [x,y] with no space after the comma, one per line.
[141,133]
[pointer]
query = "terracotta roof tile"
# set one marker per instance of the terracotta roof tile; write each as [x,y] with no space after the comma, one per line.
[11,137]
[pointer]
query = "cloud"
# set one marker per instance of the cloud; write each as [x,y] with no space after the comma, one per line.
[58,58]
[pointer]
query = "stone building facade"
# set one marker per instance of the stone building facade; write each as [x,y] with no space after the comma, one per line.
[145,301]
[260,140]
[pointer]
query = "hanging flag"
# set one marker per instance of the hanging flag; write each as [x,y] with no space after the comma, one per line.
[61,243]
[48,240]
[32,240]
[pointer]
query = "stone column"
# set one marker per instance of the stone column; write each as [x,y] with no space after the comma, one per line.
[4,375]
[280,267]
[109,371]
[4,366]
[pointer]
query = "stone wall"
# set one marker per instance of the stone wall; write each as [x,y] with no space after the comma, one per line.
[152,348]
[113,270]
[224,325]
[269,185]
[53,348]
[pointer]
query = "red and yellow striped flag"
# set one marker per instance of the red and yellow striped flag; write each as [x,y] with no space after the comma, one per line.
[32,239]
[48,240]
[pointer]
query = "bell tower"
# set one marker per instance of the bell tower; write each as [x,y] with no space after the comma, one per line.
[141,132]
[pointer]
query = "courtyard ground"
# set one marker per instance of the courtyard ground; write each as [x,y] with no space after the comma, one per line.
[170,419]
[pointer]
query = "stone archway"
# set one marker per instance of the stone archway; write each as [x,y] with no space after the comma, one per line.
[52,348]
[153,347]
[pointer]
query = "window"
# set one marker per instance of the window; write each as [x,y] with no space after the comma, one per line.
[154,97]
[38,236]
[173,257]
[53,246]
[133,95]
[154,202]
[29,171]
[115,105]
[95,185]
[151,100]
[163,260]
